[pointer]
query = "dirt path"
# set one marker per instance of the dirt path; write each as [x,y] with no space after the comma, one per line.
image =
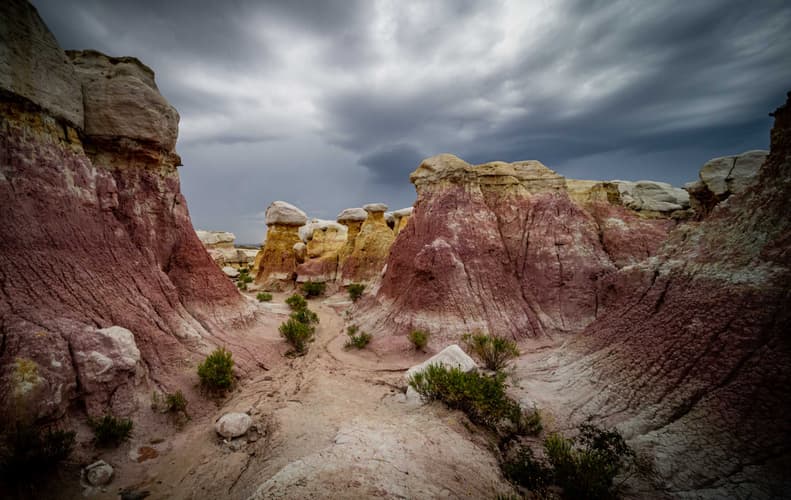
[333,424]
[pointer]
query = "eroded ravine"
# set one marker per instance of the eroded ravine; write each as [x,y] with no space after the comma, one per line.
[334,424]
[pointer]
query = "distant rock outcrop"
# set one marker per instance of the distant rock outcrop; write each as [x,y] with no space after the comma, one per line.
[277,260]
[220,245]
[505,248]
[104,281]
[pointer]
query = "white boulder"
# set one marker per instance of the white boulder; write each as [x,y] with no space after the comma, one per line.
[233,425]
[98,473]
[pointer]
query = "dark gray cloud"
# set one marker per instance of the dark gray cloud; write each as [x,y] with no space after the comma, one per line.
[392,164]
[331,104]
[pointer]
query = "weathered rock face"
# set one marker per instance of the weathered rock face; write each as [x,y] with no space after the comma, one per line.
[722,177]
[325,239]
[693,354]
[370,247]
[504,248]
[277,260]
[95,237]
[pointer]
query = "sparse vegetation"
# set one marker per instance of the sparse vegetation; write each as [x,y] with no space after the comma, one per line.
[481,397]
[355,291]
[313,288]
[297,302]
[176,402]
[244,278]
[216,371]
[296,333]
[306,317]
[264,297]
[584,467]
[357,340]
[494,352]
[419,339]
[110,431]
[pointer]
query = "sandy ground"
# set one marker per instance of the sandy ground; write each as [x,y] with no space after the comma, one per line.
[331,424]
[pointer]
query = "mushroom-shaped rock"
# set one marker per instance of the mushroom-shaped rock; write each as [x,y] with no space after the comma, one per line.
[352,215]
[375,207]
[400,218]
[278,261]
[98,473]
[365,252]
[233,425]
[284,214]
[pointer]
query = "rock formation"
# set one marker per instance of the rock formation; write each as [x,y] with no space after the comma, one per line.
[722,177]
[277,260]
[400,218]
[505,248]
[103,278]
[369,248]
[220,245]
[324,240]
[692,356]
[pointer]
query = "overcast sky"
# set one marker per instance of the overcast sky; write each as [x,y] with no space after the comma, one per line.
[331,104]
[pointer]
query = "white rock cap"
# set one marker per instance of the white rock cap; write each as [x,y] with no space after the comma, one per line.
[404,212]
[286,214]
[306,231]
[352,215]
[215,237]
[375,207]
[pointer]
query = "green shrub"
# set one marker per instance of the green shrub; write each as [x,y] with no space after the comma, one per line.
[296,333]
[524,469]
[110,431]
[584,467]
[264,297]
[355,340]
[176,402]
[307,317]
[493,352]
[313,288]
[216,371]
[355,291]
[28,453]
[481,397]
[419,339]
[297,302]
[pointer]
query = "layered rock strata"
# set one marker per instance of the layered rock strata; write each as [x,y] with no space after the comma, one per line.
[504,248]
[692,357]
[277,260]
[104,280]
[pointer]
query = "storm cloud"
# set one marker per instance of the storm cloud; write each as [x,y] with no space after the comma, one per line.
[331,104]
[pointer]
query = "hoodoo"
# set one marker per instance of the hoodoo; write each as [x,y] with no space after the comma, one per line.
[100,267]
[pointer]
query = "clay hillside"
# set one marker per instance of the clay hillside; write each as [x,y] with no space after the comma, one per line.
[513,334]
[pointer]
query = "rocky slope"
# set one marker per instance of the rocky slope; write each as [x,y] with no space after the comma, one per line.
[104,282]
[512,249]
[693,354]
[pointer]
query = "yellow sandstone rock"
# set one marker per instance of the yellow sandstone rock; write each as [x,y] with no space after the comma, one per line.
[277,261]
